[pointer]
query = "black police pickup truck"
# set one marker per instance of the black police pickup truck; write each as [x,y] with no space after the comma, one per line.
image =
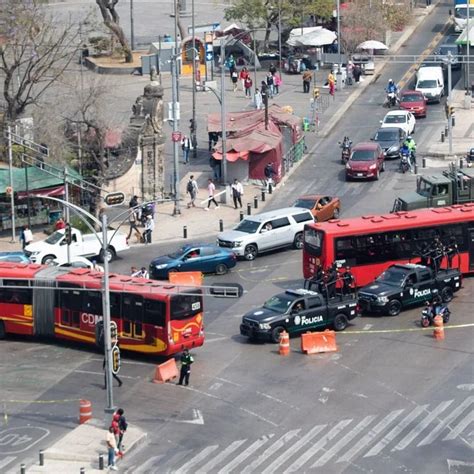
[298,311]
[406,285]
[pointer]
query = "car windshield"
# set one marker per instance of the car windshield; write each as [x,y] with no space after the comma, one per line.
[444,50]
[305,203]
[179,253]
[395,119]
[248,226]
[462,13]
[54,238]
[362,155]
[392,276]
[387,135]
[427,84]
[279,303]
[412,98]
[424,187]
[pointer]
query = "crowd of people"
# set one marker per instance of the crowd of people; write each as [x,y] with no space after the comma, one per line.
[332,281]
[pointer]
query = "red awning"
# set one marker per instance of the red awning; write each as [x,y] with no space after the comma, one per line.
[232,155]
[52,192]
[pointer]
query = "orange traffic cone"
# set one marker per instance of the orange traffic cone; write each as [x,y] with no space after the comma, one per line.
[284,343]
[438,332]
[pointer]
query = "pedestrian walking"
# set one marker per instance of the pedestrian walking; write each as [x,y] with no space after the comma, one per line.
[258,99]
[356,72]
[277,82]
[272,69]
[231,64]
[186,361]
[237,192]
[149,227]
[248,87]
[331,83]
[269,80]
[60,224]
[243,75]
[307,77]
[213,139]
[269,173]
[234,78]
[26,237]
[122,426]
[111,448]
[211,190]
[133,223]
[115,376]
[192,189]
[186,146]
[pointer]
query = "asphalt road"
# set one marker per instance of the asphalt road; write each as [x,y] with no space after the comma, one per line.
[391,399]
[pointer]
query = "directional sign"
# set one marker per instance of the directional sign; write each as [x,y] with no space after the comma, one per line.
[209,55]
[114,199]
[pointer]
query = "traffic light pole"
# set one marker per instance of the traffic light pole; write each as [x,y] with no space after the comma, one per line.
[450,115]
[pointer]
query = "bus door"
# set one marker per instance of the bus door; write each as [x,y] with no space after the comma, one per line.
[132,316]
[471,248]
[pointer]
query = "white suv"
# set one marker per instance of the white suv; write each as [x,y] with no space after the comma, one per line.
[267,231]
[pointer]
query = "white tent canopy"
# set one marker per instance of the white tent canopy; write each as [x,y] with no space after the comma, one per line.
[312,36]
[372,44]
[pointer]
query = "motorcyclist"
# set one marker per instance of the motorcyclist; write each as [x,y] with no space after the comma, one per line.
[346,146]
[391,87]
[410,143]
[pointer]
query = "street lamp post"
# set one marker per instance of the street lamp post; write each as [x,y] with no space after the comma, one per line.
[12,193]
[223,112]
[193,123]
[175,118]
[132,32]
[339,73]
[279,38]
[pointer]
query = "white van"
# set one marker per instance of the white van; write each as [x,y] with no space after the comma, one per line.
[430,82]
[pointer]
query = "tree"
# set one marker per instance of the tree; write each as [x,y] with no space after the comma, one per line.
[112,21]
[34,53]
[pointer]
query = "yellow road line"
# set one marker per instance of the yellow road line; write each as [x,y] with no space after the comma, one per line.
[382,331]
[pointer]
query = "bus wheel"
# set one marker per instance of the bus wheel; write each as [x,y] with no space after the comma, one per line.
[394,308]
[48,260]
[2,330]
[447,294]
[276,334]
[340,322]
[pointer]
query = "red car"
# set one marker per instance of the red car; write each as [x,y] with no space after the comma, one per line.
[414,102]
[367,161]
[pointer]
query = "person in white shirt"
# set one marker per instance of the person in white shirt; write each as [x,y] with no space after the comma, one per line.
[211,189]
[111,448]
[237,192]
[149,227]
[143,273]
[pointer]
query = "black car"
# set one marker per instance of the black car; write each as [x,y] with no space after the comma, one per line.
[408,285]
[298,311]
[442,55]
[390,140]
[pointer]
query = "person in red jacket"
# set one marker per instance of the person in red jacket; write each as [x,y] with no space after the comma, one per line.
[244,73]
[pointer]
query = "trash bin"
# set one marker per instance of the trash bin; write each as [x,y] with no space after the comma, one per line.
[306,124]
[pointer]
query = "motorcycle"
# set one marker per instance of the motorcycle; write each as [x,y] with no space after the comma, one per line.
[346,146]
[391,99]
[428,314]
[404,165]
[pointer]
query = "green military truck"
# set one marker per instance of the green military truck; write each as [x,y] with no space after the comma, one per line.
[453,186]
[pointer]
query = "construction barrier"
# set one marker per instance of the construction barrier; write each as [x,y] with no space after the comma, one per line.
[438,332]
[166,371]
[315,342]
[85,411]
[185,278]
[284,348]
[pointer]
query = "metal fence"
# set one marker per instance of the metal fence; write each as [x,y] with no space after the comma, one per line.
[294,154]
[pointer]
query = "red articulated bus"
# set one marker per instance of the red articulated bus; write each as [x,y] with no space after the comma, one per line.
[152,318]
[369,244]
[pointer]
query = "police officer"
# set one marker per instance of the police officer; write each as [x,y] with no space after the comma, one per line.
[348,282]
[186,361]
[331,281]
[316,279]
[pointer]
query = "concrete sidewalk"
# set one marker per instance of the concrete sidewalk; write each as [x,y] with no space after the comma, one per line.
[82,447]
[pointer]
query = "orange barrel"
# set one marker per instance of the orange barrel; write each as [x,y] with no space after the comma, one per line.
[85,411]
[438,332]
[284,343]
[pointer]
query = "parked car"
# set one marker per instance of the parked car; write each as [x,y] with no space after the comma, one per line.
[16,257]
[267,231]
[414,102]
[401,119]
[390,140]
[76,262]
[55,247]
[205,258]
[322,207]
[367,161]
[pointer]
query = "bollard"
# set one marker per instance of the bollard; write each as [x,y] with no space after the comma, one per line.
[442,137]
[446,131]
[221,225]
[185,232]
[41,457]
[82,470]
[415,168]
[270,188]
[22,468]
[249,209]
[423,163]
[241,215]
[255,202]
[263,195]
[453,121]
[101,462]
[461,163]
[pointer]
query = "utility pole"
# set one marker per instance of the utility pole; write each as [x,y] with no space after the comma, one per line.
[450,116]
[12,194]
[132,32]
[175,112]
[339,73]
[468,47]
[176,48]
[279,38]
[193,123]
[223,113]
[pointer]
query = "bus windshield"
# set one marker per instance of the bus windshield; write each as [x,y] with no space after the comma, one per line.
[392,276]
[314,241]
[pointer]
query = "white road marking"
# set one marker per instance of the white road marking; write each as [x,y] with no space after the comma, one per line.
[146,466]
[444,423]
[343,441]
[419,428]
[221,456]
[365,440]
[4,462]
[310,452]
[244,455]
[256,415]
[395,431]
[460,427]
[215,386]
[367,327]
[466,386]
[197,459]
[216,339]
[196,420]
[270,450]
[285,455]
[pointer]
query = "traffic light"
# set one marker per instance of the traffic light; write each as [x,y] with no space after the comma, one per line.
[68,233]
[113,333]
[316,92]
[115,360]
[114,199]
[449,110]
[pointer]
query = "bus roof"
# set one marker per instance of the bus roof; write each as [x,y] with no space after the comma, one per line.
[397,220]
[19,270]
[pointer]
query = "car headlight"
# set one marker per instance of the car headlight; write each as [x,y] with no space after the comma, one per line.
[348,166]
[372,167]
[265,326]
[160,267]
[238,243]
[382,299]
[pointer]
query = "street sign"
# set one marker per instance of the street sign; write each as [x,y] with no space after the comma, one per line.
[176,136]
[114,199]
[209,55]
[203,28]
